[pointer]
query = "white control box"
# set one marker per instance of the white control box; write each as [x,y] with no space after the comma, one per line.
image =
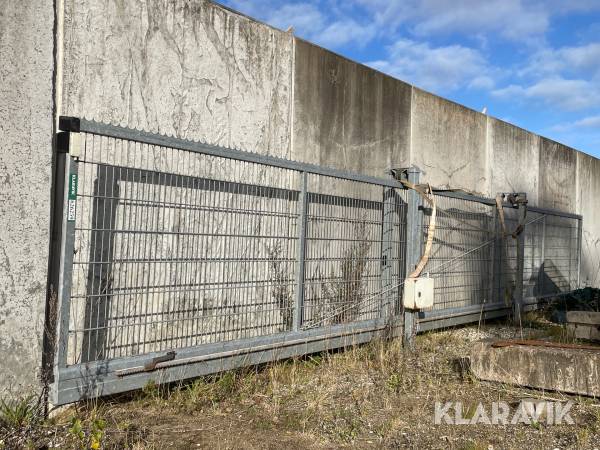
[418,293]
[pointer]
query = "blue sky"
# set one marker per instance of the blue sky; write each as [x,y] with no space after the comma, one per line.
[532,63]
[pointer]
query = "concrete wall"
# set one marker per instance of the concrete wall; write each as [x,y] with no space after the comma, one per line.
[514,159]
[196,70]
[189,69]
[26,52]
[558,176]
[588,192]
[448,143]
[347,115]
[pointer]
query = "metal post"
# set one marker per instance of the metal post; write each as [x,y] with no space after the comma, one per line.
[493,255]
[301,252]
[543,257]
[414,244]
[66,256]
[388,300]
[518,298]
[579,250]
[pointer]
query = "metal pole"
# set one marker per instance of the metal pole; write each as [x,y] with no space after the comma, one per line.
[543,257]
[579,250]
[66,257]
[493,255]
[518,299]
[301,252]
[414,244]
[387,258]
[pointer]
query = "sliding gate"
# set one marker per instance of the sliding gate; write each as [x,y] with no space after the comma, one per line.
[178,259]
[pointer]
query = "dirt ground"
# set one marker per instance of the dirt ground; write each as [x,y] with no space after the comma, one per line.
[374,396]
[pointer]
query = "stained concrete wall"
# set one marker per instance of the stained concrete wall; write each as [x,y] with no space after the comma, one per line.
[588,193]
[26,52]
[558,176]
[196,70]
[189,69]
[514,159]
[448,143]
[347,115]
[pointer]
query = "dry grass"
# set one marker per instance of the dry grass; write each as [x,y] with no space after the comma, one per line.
[371,396]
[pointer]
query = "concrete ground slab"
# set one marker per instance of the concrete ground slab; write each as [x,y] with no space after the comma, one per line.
[584,324]
[569,370]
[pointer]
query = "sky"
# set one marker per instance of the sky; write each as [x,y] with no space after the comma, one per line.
[533,63]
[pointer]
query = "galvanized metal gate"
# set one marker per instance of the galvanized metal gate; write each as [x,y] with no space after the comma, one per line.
[483,273]
[179,259]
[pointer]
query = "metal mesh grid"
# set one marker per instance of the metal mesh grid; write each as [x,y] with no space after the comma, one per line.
[345,240]
[561,255]
[175,249]
[462,252]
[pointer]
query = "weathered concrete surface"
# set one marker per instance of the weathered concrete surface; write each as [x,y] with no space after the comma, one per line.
[556,369]
[584,324]
[347,115]
[190,69]
[26,52]
[558,176]
[588,194]
[448,143]
[514,159]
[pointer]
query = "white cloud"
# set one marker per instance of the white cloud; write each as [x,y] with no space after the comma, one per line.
[562,93]
[311,21]
[514,19]
[436,68]
[580,60]
[591,122]
[344,32]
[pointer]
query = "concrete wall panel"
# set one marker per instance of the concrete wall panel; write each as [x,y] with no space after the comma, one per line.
[558,168]
[448,143]
[26,52]
[589,206]
[347,115]
[189,69]
[514,159]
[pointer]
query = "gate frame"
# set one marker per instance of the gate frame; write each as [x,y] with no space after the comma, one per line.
[96,378]
[105,377]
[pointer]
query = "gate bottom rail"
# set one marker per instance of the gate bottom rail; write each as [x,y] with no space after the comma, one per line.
[99,378]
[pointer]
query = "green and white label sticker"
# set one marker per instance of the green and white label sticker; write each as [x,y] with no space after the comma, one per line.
[72,200]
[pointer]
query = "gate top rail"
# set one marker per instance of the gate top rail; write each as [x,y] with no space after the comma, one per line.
[75,124]
[87,126]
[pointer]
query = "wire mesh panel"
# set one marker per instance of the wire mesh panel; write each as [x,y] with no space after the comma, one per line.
[561,255]
[208,258]
[461,260]
[346,237]
[533,254]
[175,249]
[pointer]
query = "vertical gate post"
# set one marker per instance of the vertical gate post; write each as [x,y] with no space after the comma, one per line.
[388,300]
[579,250]
[494,252]
[301,252]
[68,145]
[543,258]
[518,299]
[414,233]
